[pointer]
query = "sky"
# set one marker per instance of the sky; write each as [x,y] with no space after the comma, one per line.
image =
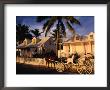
[87,24]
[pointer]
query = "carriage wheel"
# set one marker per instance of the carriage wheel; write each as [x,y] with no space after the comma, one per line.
[60,67]
[79,69]
[70,64]
[66,66]
[89,70]
[89,67]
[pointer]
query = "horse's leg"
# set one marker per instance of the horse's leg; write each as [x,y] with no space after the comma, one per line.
[51,63]
[48,63]
[24,59]
[54,64]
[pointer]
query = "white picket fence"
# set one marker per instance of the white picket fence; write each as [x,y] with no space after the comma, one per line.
[33,61]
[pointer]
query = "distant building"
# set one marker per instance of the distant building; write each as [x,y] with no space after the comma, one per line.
[40,46]
[79,44]
[21,49]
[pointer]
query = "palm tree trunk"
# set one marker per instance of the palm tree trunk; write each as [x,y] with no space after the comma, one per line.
[57,45]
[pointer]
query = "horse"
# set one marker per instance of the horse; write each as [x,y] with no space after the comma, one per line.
[51,60]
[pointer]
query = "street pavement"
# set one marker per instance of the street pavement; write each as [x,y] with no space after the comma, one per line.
[36,69]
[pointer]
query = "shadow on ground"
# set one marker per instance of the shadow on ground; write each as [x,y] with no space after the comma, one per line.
[36,69]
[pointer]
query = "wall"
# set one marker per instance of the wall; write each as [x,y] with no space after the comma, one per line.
[78,47]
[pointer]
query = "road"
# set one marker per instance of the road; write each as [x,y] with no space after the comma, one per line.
[36,69]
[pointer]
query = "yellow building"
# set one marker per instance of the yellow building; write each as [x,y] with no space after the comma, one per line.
[79,44]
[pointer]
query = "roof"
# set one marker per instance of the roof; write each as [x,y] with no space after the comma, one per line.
[33,45]
[91,33]
[22,45]
[43,40]
[30,45]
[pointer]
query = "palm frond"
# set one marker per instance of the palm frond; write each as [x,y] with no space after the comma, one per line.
[50,24]
[70,27]
[35,32]
[45,25]
[63,29]
[74,20]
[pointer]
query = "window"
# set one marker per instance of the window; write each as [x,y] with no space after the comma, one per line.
[91,36]
[77,38]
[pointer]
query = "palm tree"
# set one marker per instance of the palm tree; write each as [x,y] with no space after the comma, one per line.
[54,35]
[35,32]
[22,32]
[61,22]
[58,38]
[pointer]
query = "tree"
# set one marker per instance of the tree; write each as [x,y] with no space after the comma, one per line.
[60,27]
[22,32]
[58,36]
[36,32]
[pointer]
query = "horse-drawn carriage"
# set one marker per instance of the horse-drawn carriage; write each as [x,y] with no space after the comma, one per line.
[78,64]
